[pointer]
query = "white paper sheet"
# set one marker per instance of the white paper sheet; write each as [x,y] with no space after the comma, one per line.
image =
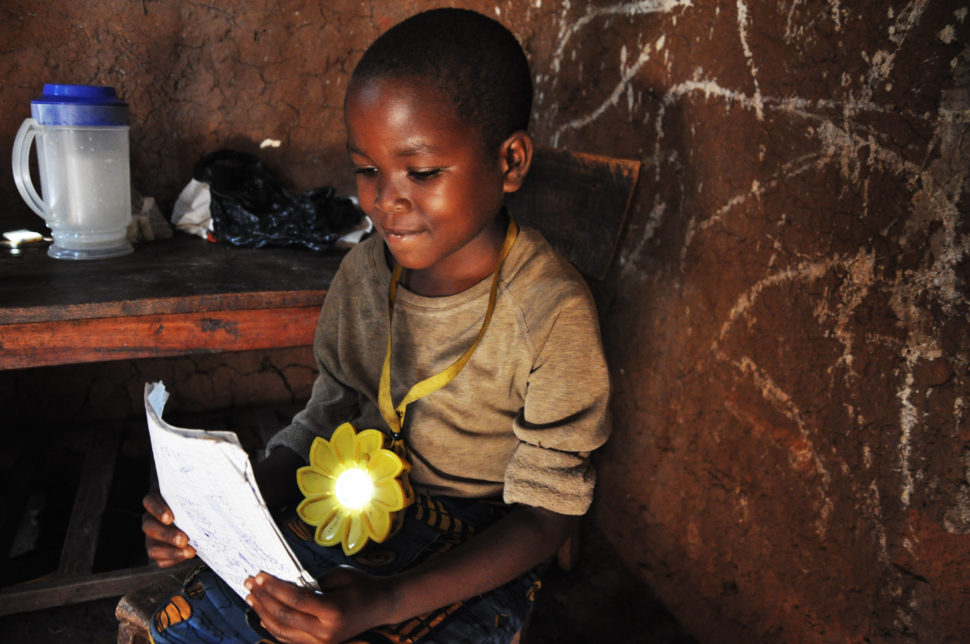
[207,480]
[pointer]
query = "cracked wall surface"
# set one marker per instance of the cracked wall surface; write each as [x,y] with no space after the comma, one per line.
[787,319]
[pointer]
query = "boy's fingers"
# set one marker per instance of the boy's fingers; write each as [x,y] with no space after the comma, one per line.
[165,544]
[165,555]
[169,534]
[286,593]
[158,508]
[299,600]
[283,621]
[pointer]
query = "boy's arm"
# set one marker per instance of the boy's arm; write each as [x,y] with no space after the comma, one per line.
[352,602]
[276,477]
[524,538]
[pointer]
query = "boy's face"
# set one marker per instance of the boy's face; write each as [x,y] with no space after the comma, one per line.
[426,181]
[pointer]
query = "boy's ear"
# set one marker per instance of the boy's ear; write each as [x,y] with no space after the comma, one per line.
[516,159]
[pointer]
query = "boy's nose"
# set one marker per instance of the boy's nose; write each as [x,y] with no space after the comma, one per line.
[389,198]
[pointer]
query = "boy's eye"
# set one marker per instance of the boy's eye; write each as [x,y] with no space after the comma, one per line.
[365,171]
[424,175]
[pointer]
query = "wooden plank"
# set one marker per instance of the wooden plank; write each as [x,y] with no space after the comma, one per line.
[70,590]
[148,336]
[579,202]
[164,306]
[84,527]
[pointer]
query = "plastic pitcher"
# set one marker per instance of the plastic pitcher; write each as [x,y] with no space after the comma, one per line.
[82,157]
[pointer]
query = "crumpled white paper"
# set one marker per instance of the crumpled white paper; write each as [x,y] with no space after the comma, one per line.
[191,211]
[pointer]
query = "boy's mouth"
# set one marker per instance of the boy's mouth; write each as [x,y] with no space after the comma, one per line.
[400,234]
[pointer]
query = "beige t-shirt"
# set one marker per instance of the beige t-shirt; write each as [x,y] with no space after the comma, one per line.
[522,416]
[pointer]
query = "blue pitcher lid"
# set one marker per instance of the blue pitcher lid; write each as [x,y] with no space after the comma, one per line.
[79,105]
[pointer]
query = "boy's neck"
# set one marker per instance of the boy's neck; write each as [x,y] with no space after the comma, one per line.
[421,283]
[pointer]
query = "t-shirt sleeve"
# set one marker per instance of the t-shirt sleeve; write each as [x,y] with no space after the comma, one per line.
[331,402]
[565,415]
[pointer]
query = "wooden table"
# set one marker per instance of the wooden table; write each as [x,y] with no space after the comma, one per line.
[168,298]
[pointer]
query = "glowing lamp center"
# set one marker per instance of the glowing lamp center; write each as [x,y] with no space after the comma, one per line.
[354,488]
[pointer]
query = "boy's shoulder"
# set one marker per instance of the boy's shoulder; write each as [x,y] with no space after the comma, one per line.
[539,277]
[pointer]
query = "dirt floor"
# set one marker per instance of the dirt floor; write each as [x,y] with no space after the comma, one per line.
[599,601]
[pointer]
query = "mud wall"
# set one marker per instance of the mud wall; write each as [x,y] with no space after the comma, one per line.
[788,316]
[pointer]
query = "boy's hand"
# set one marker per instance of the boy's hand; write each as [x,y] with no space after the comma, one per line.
[166,545]
[351,602]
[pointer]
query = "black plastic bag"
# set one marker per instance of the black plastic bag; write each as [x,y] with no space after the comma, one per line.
[250,207]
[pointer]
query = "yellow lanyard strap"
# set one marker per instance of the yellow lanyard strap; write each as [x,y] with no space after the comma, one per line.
[395,416]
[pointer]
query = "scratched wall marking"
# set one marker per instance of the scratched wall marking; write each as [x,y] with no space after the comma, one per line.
[591,19]
[749,58]
[935,202]
[841,129]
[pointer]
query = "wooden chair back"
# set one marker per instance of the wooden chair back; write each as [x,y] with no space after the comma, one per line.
[579,202]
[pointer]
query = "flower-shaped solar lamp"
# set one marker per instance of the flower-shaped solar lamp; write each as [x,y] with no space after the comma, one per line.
[355,489]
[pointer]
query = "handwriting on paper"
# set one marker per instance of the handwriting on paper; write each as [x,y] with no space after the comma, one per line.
[207,480]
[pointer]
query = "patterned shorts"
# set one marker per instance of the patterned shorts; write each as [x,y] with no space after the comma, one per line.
[206,610]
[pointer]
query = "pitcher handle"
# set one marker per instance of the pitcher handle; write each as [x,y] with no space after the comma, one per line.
[21,167]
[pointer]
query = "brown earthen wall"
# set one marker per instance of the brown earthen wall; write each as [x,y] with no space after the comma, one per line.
[788,316]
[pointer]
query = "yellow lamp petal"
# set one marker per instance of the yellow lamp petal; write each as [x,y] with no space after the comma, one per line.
[369,442]
[322,457]
[384,464]
[332,532]
[317,510]
[372,482]
[342,443]
[377,521]
[356,535]
[388,495]
[312,481]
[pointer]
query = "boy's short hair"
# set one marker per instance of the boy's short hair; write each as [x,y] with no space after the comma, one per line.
[473,60]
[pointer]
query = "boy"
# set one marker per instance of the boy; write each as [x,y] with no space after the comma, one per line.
[437,113]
